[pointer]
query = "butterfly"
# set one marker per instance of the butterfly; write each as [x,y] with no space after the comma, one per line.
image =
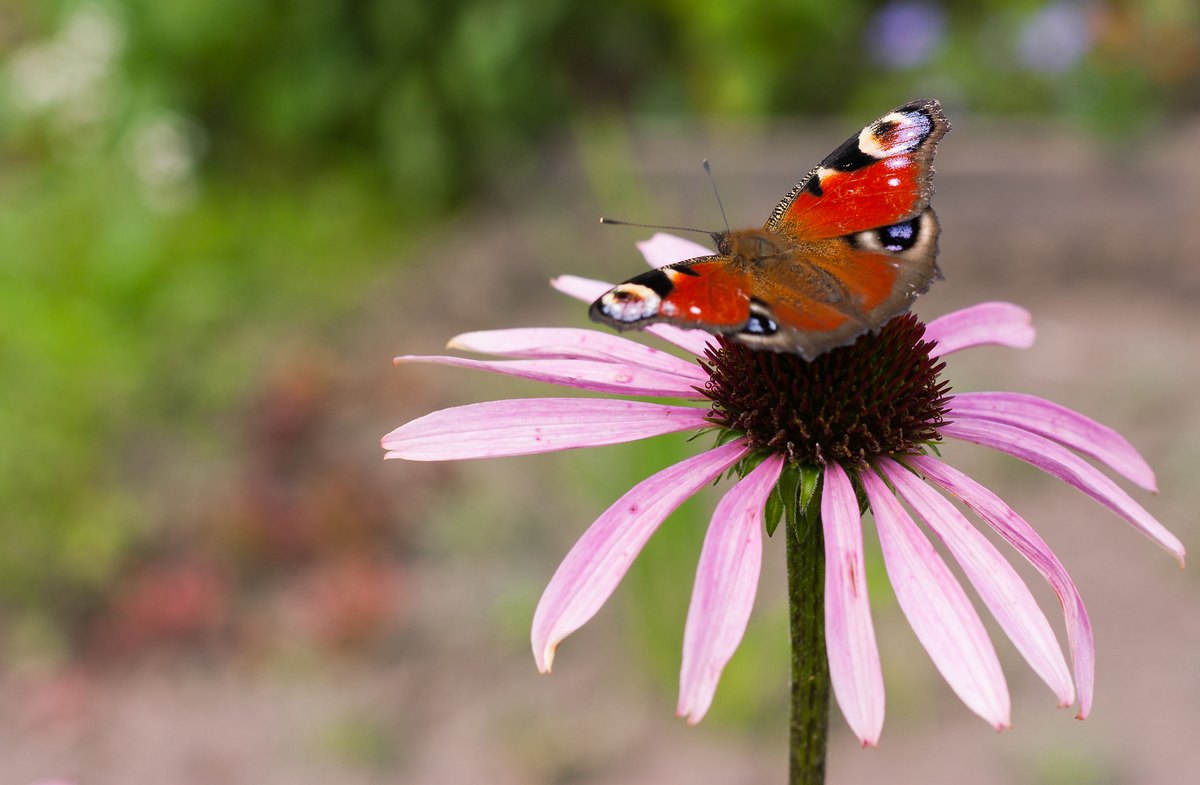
[848,248]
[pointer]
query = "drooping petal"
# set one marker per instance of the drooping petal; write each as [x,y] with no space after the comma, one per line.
[849,634]
[589,290]
[575,344]
[694,341]
[534,425]
[1060,462]
[998,323]
[1018,533]
[937,608]
[594,567]
[726,582]
[593,375]
[1061,424]
[586,289]
[663,249]
[999,586]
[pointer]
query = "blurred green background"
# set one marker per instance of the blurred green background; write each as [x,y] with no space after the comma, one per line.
[198,199]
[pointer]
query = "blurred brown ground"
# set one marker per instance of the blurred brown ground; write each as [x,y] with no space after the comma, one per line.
[1100,244]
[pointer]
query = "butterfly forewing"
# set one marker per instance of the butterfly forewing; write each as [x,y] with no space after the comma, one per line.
[706,292]
[879,177]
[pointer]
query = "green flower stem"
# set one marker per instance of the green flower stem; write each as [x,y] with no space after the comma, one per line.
[810,665]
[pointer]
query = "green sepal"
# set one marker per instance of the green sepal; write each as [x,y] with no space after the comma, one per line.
[725,436]
[745,465]
[809,476]
[783,497]
[806,508]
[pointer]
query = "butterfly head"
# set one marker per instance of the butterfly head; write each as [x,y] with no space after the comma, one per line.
[721,240]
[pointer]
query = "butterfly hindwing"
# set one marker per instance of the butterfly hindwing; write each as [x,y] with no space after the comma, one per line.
[866,279]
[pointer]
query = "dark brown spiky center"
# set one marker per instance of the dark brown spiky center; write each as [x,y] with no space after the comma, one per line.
[879,396]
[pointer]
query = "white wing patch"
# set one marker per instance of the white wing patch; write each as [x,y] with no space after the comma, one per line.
[630,302]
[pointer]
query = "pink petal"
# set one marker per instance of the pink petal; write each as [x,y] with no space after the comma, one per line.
[1004,324]
[938,609]
[694,341]
[586,289]
[607,377]
[849,633]
[999,586]
[726,582]
[1018,533]
[534,425]
[575,344]
[1061,424]
[663,249]
[594,567]
[1068,467]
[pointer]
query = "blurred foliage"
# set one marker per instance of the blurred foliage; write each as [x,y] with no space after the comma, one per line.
[184,185]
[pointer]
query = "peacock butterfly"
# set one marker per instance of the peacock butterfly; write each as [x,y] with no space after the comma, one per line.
[848,248]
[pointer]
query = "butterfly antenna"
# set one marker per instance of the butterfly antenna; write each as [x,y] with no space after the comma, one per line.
[615,222]
[716,193]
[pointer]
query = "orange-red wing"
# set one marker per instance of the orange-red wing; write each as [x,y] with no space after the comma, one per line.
[830,292]
[868,279]
[713,293]
[855,201]
[879,177]
[710,292]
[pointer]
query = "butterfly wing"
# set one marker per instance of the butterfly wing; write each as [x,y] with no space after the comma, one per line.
[709,292]
[849,247]
[882,176]
[828,292]
[862,220]
[810,299]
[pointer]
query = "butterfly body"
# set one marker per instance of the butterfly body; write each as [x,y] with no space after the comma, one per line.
[848,248]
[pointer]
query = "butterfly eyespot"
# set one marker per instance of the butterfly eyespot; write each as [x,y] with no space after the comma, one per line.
[899,237]
[885,129]
[760,323]
[896,133]
[630,303]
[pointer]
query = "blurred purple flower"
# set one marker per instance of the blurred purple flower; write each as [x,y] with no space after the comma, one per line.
[1055,38]
[905,34]
[1036,431]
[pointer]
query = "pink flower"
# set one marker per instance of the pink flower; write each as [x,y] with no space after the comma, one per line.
[888,461]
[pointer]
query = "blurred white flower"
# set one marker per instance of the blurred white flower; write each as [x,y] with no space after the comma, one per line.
[69,76]
[163,152]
